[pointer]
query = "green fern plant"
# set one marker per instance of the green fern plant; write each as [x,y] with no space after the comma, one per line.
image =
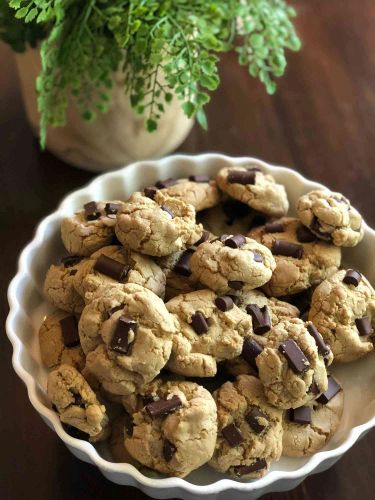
[162,47]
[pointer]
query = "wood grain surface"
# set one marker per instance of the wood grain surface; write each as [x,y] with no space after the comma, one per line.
[320,122]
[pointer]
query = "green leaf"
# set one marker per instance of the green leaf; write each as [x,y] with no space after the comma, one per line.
[168,97]
[22,12]
[31,15]
[202,119]
[188,108]
[151,125]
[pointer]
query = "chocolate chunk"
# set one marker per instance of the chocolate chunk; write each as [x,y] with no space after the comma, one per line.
[112,208]
[274,227]
[168,210]
[242,470]
[112,268]
[120,338]
[232,435]
[162,407]
[304,235]
[69,330]
[282,247]
[364,326]
[222,238]
[224,303]
[183,264]
[150,192]
[78,401]
[199,323]
[352,277]
[321,345]
[260,317]
[257,257]
[91,210]
[297,361]
[166,183]
[169,449]
[205,237]
[301,415]
[128,424]
[199,178]
[316,228]
[252,418]
[75,433]
[235,285]
[147,399]
[235,241]
[253,169]
[70,260]
[314,389]
[113,310]
[241,177]
[250,350]
[333,389]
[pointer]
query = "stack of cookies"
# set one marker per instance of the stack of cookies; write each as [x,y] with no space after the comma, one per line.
[205,319]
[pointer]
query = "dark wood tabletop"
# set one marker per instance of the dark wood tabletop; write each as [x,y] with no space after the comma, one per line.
[320,122]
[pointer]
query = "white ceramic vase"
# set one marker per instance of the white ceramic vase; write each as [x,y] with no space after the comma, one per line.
[115,138]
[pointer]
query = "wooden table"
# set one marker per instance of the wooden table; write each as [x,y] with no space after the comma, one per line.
[320,122]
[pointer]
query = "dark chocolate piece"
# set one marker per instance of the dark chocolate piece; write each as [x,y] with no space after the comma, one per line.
[242,470]
[78,401]
[241,177]
[91,210]
[364,326]
[150,192]
[316,228]
[235,285]
[112,268]
[147,399]
[274,227]
[112,208]
[71,260]
[297,361]
[236,241]
[166,183]
[120,338]
[232,435]
[352,277]
[222,238]
[168,210]
[260,317]
[205,237]
[199,178]
[224,303]
[169,449]
[252,418]
[113,310]
[321,345]
[314,389]
[199,323]
[162,407]
[301,415]
[69,330]
[250,350]
[183,264]
[257,257]
[304,235]
[282,247]
[333,389]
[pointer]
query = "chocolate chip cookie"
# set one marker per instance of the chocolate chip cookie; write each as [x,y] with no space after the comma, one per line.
[331,217]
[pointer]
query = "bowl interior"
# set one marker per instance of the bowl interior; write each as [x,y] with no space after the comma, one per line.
[357,379]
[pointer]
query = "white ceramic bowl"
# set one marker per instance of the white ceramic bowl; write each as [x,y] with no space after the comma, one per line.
[27,309]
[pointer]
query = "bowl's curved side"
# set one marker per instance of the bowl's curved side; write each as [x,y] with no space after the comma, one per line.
[25,291]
